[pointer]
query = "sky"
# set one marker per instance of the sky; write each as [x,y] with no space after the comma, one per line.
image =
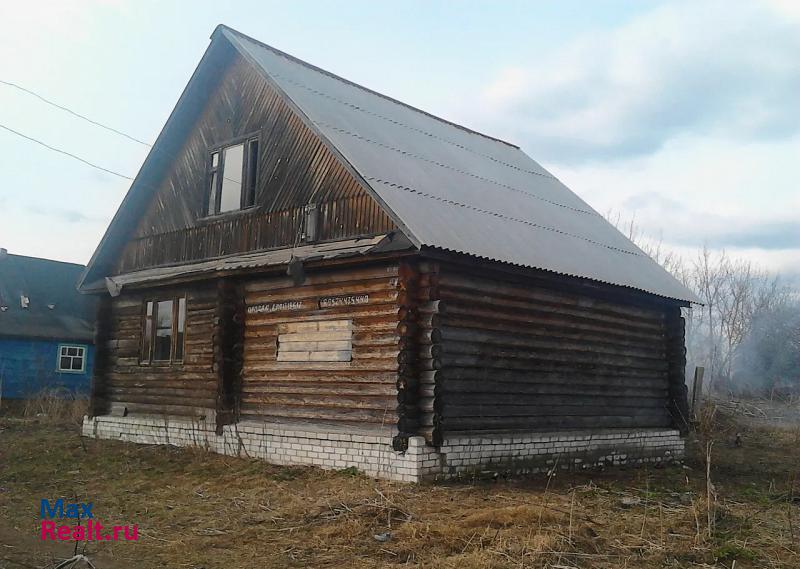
[684,116]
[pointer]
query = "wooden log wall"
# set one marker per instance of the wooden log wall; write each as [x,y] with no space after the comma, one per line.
[295,168]
[228,346]
[676,359]
[429,349]
[408,357]
[362,391]
[182,389]
[502,355]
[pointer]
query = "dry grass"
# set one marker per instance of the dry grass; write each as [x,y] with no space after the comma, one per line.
[55,408]
[202,510]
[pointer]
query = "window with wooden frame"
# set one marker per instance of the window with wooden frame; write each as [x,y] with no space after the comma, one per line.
[163,331]
[232,174]
[71,358]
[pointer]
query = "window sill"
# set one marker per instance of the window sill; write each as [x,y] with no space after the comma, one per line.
[227,214]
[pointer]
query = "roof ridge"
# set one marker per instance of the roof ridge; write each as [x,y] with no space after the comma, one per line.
[45,259]
[359,86]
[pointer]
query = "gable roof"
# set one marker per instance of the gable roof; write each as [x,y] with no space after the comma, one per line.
[450,188]
[44,283]
[455,189]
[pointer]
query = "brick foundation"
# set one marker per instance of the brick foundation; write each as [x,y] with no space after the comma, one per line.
[371,452]
[567,450]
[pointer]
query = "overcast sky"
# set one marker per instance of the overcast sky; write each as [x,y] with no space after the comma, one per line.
[685,115]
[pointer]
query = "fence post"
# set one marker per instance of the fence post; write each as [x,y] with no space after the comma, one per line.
[697,389]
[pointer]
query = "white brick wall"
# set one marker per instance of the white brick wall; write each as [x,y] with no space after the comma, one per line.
[328,448]
[569,450]
[372,452]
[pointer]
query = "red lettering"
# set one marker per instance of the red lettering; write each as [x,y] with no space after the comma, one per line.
[97,528]
[79,533]
[64,532]
[134,535]
[48,528]
[117,529]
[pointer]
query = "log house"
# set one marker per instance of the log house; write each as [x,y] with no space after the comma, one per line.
[310,272]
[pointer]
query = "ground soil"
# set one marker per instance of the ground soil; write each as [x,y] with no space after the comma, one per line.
[198,510]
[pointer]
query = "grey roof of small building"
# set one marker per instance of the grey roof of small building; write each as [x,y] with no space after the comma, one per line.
[55,310]
[454,189]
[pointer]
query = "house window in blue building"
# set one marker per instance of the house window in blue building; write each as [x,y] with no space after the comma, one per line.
[72,358]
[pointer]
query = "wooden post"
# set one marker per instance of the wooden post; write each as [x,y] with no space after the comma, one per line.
[697,389]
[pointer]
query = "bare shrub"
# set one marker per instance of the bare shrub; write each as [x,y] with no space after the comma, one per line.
[707,423]
[56,407]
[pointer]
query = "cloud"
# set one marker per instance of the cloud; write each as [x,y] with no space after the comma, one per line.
[724,69]
[715,230]
[764,235]
[63,214]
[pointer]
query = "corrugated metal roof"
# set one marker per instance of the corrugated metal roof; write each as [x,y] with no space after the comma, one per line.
[458,190]
[277,257]
[54,309]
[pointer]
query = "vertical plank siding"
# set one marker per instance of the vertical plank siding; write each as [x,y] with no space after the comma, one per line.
[295,169]
[506,356]
[184,389]
[360,391]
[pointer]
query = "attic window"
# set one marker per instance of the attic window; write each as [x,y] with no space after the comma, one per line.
[232,177]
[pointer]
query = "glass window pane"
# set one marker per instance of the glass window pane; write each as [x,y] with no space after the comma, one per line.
[233,160]
[72,352]
[147,332]
[164,315]
[77,364]
[64,363]
[215,160]
[63,351]
[252,171]
[181,327]
[212,195]
[162,348]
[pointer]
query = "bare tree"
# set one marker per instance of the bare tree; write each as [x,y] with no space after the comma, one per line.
[735,293]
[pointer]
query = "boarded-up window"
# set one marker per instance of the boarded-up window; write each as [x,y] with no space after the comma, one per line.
[320,341]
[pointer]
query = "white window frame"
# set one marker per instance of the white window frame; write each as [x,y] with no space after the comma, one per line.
[82,351]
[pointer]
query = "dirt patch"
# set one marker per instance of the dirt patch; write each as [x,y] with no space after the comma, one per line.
[199,510]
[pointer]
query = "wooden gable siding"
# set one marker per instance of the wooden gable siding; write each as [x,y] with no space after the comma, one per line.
[361,391]
[295,168]
[498,354]
[186,389]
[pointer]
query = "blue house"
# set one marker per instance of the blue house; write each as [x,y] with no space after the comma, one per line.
[46,328]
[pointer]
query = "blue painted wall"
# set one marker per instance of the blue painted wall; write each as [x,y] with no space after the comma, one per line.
[28,367]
